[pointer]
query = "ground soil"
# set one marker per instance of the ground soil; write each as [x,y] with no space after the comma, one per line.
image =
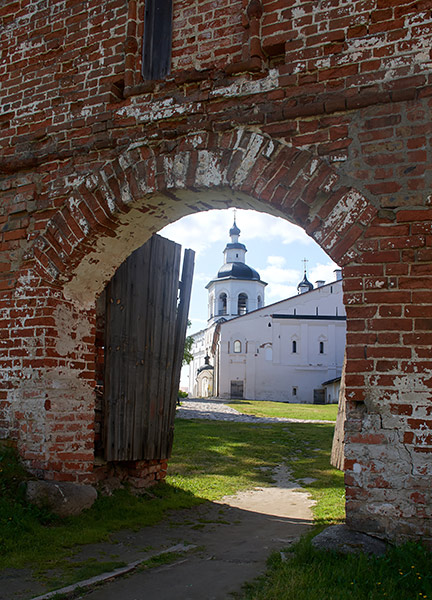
[231,541]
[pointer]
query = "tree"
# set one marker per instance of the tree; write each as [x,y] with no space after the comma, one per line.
[187,354]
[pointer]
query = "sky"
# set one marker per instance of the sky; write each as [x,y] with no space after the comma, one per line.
[275,248]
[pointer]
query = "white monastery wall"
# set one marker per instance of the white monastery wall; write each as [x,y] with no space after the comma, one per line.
[268,364]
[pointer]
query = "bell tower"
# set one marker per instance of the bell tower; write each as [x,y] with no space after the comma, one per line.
[237,288]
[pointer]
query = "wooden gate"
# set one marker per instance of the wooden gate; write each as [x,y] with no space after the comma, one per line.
[145,329]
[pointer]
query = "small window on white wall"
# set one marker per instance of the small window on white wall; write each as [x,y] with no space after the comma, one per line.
[294,391]
[321,347]
[294,347]
[237,346]
[259,302]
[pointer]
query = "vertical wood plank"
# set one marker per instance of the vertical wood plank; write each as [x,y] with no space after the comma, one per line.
[337,458]
[144,348]
[167,372]
[179,342]
[142,331]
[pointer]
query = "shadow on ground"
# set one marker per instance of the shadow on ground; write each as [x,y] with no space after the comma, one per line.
[232,541]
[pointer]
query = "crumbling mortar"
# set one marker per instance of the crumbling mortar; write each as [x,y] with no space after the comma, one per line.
[356,154]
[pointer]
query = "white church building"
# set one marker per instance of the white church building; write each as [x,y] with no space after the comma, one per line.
[289,351]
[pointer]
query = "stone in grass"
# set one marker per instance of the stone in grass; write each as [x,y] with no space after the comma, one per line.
[62,498]
[340,538]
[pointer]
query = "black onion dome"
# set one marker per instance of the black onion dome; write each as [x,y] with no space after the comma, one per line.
[205,368]
[234,230]
[238,270]
[305,283]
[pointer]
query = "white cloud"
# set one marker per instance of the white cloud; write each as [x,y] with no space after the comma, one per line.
[202,277]
[323,272]
[276,261]
[278,291]
[283,282]
[199,231]
[274,274]
[267,227]
[277,273]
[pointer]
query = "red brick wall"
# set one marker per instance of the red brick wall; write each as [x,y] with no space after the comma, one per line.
[317,111]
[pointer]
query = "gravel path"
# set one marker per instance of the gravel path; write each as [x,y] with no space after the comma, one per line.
[217,410]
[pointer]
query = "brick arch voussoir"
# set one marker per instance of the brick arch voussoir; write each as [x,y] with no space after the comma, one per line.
[290,181]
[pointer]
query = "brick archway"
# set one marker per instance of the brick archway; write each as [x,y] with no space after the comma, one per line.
[150,185]
[101,214]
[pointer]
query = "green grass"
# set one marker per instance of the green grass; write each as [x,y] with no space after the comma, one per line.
[33,537]
[317,412]
[25,540]
[404,573]
[69,573]
[210,460]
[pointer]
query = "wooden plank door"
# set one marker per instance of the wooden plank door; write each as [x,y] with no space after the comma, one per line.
[141,341]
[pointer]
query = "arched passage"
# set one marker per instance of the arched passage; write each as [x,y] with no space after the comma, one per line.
[112,210]
[101,215]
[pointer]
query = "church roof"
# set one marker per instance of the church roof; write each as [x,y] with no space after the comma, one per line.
[234,229]
[235,246]
[305,283]
[238,270]
[205,368]
[235,269]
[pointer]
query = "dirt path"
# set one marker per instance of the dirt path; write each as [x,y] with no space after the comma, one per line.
[227,542]
[231,541]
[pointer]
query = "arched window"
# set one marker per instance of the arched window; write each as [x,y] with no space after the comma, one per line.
[237,346]
[222,308]
[242,305]
[321,347]
[211,306]
[294,346]
[259,302]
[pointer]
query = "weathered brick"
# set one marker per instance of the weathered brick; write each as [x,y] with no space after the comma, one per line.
[323,84]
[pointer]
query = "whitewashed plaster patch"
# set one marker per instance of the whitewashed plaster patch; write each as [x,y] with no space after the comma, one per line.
[346,211]
[209,171]
[249,159]
[175,169]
